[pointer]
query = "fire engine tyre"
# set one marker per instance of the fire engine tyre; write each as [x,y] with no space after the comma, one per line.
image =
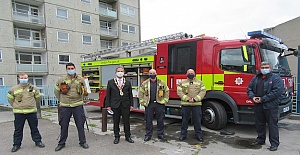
[213,115]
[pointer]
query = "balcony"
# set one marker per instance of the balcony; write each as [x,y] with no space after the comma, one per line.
[107,13]
[28,42]
[32,68]
[24,17]
[108,33]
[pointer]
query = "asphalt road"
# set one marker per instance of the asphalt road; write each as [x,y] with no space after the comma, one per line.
[102,142]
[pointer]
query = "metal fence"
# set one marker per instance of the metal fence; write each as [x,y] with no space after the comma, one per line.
[48,98]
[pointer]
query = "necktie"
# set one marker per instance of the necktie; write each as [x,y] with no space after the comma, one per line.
[120,82]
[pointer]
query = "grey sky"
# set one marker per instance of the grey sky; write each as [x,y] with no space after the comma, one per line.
[224,19]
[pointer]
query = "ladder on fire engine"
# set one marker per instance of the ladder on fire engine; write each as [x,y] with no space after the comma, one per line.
[134,46]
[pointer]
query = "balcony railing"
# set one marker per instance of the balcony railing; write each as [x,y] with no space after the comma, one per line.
[28,42]
[106,11]
[32,68]
[109,31]
[25,16]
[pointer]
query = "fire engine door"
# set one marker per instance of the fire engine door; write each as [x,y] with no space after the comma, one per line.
[234,70]
[181,57]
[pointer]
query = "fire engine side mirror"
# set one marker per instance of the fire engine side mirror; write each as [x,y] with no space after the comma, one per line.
[296,53]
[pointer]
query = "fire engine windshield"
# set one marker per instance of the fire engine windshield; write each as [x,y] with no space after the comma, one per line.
[279,64]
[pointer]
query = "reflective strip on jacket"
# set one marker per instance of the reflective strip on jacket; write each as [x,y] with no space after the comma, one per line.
[72,98]
[144,92]
[188,89]
[24,98]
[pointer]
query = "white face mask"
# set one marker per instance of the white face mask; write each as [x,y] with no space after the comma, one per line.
[120,74]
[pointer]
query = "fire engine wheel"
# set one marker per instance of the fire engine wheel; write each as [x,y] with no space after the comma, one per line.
[213,115]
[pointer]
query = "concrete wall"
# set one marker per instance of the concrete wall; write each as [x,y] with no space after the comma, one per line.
[73,25]
[8,64]
[130,20]
[75,28]
[289,32]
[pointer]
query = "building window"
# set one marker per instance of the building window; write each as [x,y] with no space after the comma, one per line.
[127,10]
[23,34]
[1,81]
[128,28]
[86,19]
[87,1]
[62,13]
[36,80]
[29,58]
[1,56]
[63,37]
[105,44]
[25,9]
[63,59]
[125,44]
[86,39]
[105,24]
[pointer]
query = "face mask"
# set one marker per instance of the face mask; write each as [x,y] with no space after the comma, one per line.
[190,76]
[152,76]
[120,74]
[23,81]
[71,72]
[265,71]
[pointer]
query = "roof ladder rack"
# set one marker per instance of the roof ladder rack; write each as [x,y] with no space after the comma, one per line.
[134,46]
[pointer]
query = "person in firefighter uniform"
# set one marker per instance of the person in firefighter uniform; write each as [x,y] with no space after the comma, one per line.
[24,98]
[154,94]
[265,89]
[191,91]
[119,99]
[69,90]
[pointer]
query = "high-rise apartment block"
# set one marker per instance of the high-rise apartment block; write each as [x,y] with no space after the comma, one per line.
[40,36]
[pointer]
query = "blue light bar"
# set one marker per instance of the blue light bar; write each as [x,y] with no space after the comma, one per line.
[262,34]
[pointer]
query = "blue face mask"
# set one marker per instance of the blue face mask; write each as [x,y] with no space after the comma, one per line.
[152,76]
[71,72]
[265,71]
[23,81]
[190,76]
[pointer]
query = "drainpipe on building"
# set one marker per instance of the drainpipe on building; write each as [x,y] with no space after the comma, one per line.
[298,87]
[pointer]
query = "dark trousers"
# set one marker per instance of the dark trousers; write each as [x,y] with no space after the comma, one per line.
[196,116]
[263,117]
[79,117]
[19,126]
[125,113]
[159,110]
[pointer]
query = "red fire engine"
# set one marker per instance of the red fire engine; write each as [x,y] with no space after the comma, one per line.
[226,68]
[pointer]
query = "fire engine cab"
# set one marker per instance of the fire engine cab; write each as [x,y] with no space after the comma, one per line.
[225,66]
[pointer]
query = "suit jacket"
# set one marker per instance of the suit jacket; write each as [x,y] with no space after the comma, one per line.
[113,97]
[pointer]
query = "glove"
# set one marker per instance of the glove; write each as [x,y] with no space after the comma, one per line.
[64,88]
[84,91]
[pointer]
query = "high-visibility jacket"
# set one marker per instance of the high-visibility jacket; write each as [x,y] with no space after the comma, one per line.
[162,93]
[23,98]
[188,89]
[74,96]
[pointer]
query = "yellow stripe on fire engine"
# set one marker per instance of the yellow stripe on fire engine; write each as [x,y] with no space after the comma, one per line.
[132,60]
[163,78]
[218,78]
[198,76]
[207,79]
[226,72]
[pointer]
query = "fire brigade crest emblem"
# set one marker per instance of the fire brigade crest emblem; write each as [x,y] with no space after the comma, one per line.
[239,81]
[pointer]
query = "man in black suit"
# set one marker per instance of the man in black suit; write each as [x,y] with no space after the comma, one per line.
[119,99]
